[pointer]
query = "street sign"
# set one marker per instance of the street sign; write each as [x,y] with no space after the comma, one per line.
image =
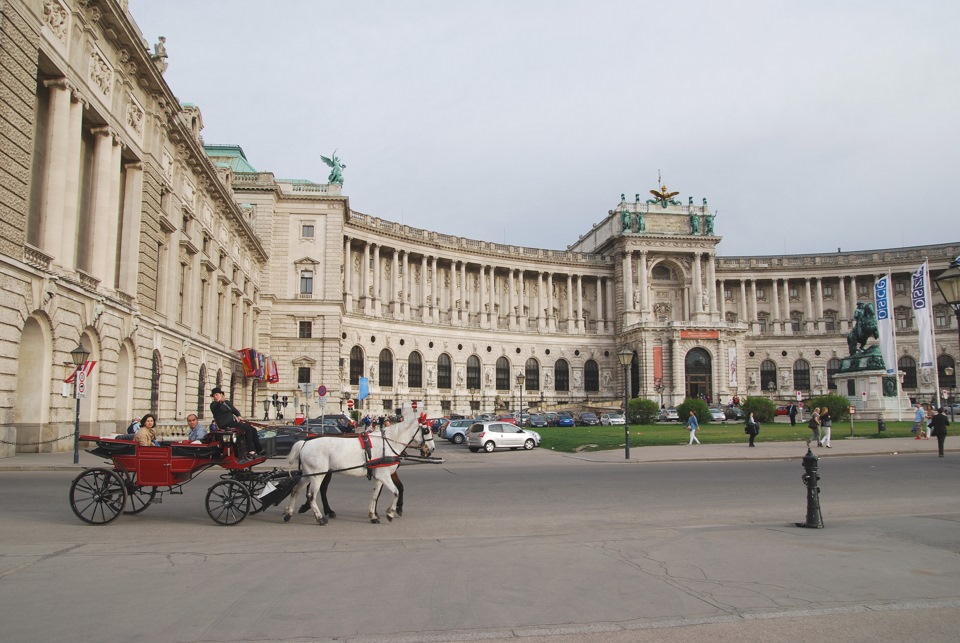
[81,384]
[799,396]
[414,404]
[863,395]
[322,390]
[350,405]
[851,410]
[322,401]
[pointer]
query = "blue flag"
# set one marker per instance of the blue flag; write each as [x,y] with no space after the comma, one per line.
[364,388]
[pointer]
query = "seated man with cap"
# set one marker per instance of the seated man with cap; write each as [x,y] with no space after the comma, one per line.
[226,415]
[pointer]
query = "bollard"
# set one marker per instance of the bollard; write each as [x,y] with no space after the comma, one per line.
[881,425]
[810,479]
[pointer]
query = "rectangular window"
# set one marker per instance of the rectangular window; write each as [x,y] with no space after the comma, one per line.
[203,305]
[306,330]
[940,318]
[445,406]
[794,292]
[763,324]
[863,290]
[303,375]
[899,287]
[828,292]
[795,324]
[183,288]
[306,282]
[306,231]
[388,406]
[830,324]
[728,294]
[903,322]
[761,294]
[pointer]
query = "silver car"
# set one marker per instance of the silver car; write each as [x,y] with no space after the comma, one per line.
[456,431]
[500,435]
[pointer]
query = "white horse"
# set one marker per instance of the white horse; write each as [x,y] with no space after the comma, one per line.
[320,456]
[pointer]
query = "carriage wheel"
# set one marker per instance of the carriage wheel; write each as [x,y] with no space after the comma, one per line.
[255,487]
[228,502]
[139,499]
[97,496]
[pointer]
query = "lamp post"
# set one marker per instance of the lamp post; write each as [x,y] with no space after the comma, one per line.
[948,371]
[948,283]
[658,387]
[521,379]
[266,409]
[79,356]
[626,357]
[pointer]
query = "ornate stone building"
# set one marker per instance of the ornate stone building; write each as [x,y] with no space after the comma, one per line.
[122,231]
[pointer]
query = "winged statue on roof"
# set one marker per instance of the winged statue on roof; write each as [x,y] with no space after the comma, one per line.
[663,197]
[336,167]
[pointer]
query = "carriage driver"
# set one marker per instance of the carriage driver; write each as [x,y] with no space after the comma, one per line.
[226,415]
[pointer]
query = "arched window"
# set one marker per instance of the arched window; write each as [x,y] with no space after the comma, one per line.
[768,375]
[943,363]
[503,375]
[219,377]
[833,367]
[532,371]
[561,375]
[591,376]
[234,378]
[443,371]
[386,368]
[201,391]
[415,370]
[473,372]
[356,365]
[801,375]
[155,383]
[909,367]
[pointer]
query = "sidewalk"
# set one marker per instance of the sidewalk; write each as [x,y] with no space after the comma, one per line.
[63,461]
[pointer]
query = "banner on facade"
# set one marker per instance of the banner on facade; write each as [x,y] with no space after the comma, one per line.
[923,314]
[658,364]
[888,345]
[699,334]
[732,356]
[364,389]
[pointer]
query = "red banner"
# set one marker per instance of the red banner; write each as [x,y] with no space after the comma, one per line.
[699,334]
[658,364]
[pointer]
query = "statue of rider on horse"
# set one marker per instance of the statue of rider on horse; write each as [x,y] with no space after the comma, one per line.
[864,328]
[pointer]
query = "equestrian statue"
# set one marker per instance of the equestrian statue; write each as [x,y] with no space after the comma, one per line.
[865,327]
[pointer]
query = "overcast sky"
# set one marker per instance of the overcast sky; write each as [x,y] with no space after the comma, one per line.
[808,125]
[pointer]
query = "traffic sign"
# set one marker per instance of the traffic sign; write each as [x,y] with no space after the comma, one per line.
[414,403]
[322,402]
[322,390]
[350,405]
[81,384]
[799,396]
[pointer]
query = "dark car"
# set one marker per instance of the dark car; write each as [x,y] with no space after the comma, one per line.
[536,421]
[733,413]
[285,437]
[552,418]
[589,419]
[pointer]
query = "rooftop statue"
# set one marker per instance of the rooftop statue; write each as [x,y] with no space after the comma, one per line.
[336,167]
[159,55]
[624,220]
[640,224]
[708,224]
[664,197]
[694,224]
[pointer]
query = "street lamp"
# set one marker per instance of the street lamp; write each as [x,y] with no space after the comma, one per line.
[948,371]
[266,409]
[626,357]
[521,379]
[79,356]
[948,283]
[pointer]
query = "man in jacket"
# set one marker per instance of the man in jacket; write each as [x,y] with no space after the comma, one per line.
[226,415]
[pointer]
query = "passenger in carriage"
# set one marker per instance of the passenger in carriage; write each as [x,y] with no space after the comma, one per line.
[226,415]
[146,436]
[197,431]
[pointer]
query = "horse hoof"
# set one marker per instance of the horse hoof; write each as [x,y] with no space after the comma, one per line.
[287,517]
[304,508]
[389,518]
[399,511]
[375,521]
[332,514]
[322,520]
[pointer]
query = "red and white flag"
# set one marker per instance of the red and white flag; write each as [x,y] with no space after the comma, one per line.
[87,368]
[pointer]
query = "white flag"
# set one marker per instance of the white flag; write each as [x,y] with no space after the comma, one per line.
[920,291]
[888,346]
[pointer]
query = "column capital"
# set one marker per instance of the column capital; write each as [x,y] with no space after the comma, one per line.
[133,165]
[59,83]
[102,130]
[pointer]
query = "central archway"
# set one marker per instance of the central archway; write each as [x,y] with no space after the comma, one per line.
[698,367]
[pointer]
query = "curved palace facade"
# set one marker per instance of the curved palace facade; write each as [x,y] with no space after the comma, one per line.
[162,257]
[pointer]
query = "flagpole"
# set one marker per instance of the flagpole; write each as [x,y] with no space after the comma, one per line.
[896,367]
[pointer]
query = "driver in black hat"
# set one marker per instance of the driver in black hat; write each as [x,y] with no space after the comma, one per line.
[226,415]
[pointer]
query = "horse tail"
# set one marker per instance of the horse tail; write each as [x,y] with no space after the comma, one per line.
[293,460]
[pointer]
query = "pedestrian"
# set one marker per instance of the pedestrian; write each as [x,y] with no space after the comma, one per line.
[814,426]
[940,423]
[827,423]
[919,422]
[227,416]
[692,426]
[197,431]
[792,412]
[752,429]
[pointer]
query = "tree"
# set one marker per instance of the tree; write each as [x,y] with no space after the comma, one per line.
[763,409]
[699,407]
[838,405]
[642,411]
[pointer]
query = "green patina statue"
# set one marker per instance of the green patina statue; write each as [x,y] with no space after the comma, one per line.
[639,222]
[663,197]
[336,168]
[694,224]
[624,219]
[708,224]
[862,357]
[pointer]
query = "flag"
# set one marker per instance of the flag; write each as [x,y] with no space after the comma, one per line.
[364,388]
[249,359]
[87,368]
[273,374]
[888,345]
[922,312]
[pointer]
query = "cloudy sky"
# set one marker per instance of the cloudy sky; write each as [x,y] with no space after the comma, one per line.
[807,125]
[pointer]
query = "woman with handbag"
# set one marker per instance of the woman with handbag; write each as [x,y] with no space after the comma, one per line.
[814,426]
[752,429]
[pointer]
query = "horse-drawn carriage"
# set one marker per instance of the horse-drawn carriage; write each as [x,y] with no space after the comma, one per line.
[141,475]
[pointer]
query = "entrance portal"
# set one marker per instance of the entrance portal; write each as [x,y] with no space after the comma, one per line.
[698,368]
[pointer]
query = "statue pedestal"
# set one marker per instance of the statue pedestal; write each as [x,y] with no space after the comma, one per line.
[873,393]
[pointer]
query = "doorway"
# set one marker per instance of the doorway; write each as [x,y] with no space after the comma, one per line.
[698,367]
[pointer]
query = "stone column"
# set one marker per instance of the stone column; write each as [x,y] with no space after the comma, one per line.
[600,312]
[579,319]
[423,288]
[611,313]
[807,306]
[481,299]
[570,318]
[551,320]
[464,310]
[55,165]
[679,376]
[786,306]
[71,188]
[347,276]
[743,302]
[407,287]
[494,316]
[712,283]
[697,286]
[541,303]
[435,292]
[113,213]
[365,280]
[100,200]
[523,302]
[130,238]
[511,301]
[842,298]
[853,300]
[393,300]
[818,304]
[775,300]
[754,318]
[377,285]
[722,296]
[642,269]
[627,281]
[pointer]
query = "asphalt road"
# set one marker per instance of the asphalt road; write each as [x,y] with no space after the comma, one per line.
[495,546]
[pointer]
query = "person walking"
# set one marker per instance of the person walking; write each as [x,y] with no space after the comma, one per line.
[792,412]
[814,426]
[827,423]
[940,422]
[919,422]
[752,429]
[692,426]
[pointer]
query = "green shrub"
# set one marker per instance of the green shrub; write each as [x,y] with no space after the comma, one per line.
[838,405]
[699,407]
[761,407]
[642,411]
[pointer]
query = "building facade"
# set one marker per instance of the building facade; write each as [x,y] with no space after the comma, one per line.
[162,256]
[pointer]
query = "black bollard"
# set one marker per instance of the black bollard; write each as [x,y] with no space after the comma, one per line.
[810,479]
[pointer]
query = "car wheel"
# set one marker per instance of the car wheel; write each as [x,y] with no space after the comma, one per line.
[457,438]
[474,449]
[489,447]
[528,444]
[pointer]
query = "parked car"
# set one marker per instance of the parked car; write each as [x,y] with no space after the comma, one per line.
[456,430]
[285,438]
[437,424]
[553,419]
[669,415]
[717,414]
[733,413]
[610,419]
[507,417]
[338,420]
[486,417]
[565,419]
[589,419]
[782,410]
[500,435]
[537,421]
